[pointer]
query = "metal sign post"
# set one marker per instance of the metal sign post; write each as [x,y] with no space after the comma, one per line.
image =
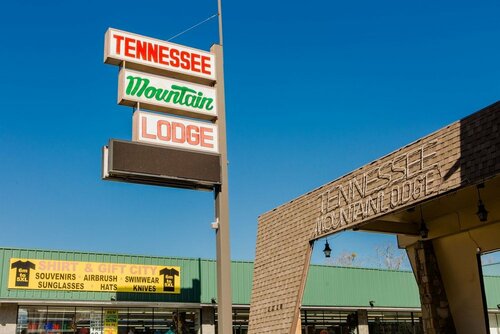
[224,300]
[224,296]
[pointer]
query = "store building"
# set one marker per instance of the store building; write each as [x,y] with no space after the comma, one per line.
[336,300]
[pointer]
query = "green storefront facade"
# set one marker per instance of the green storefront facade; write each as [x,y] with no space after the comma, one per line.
[336,300]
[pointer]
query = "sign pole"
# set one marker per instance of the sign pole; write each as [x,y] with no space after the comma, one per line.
[224,295]
[224,300]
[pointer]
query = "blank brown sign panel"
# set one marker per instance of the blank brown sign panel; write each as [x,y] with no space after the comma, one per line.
[150,164]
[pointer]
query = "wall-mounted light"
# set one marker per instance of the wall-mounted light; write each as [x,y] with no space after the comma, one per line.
[327,250]
[423,230]
[372,303]
[481,213]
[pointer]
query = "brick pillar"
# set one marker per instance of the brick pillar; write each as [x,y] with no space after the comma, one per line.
[8,318]
[436,313]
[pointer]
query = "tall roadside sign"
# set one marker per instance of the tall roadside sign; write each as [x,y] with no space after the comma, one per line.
[176,142]
[178,130]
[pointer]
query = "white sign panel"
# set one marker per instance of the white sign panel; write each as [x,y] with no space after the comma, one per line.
[168,95]
[124,46]
[175,132]
[95,322]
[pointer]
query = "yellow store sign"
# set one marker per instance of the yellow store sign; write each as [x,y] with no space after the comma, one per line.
[93,276]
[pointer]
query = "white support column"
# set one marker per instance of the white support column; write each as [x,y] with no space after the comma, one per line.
[208,320]
[362,322]
[8,318]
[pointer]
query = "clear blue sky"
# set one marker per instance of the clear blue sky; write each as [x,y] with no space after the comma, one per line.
[314,89]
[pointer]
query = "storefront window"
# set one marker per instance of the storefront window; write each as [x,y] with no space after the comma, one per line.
[343,322]
[240,321]
[31,320]
[186,322]
[395,322]
[140,320]
[164,320]
[328,322]
[123,325]
[88,320]
[60,320]
[98,320]
[46,320]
